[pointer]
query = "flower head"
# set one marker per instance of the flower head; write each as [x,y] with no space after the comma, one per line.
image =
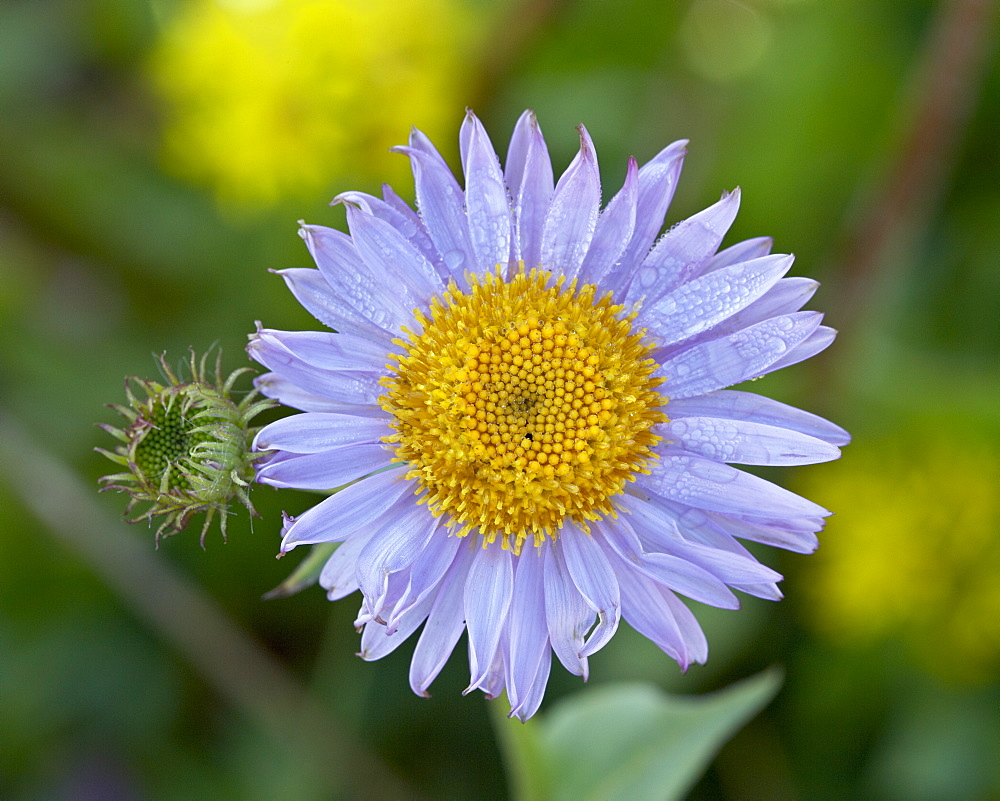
[526,398]
[186,446]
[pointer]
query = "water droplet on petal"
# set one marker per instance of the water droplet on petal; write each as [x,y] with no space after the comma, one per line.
[455,260]
[777,345]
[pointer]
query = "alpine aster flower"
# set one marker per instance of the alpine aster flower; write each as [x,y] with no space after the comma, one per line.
[528,393]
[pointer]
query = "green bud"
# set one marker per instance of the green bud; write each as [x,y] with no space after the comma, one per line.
[186,447]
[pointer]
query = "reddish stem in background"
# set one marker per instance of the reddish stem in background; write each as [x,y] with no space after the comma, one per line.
[947,80]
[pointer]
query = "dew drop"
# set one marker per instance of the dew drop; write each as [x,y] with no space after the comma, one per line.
[455,260]
[647,277]
[710,472]
[777,345]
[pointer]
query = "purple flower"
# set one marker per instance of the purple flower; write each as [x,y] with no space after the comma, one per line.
[526,400]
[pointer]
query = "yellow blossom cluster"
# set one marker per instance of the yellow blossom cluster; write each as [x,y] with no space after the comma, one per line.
[914,551]
[271,99]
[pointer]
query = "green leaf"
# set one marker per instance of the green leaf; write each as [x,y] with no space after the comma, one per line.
[628,741]
[306,574]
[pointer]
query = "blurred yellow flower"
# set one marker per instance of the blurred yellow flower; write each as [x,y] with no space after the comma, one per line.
[913,551]
[272,99]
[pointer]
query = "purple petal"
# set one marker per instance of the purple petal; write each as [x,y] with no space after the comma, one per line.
[487,599]
[400,216]
[290,394]
[796,539]
[316,432]
[718,530]
[493,682]
[515,166]
[702,303]
[706,484]
[374,611]
[594,578]
[322,471]
[335,366]
[672,572]
[398,540]
[818,341]
[572,217]
[318,298]
[339,576]
[786,297]
[378,641]
[393,259]
[529,177]
[699,539]
[445,624]
[486,201]
[743,442]
[363,296]
[426,573]
[529,635]
[694,526]
[692,636]
[728,360]
[657,183]
[567,614]
[646,609]
[441,202]
[683,250]
[614,230]
[747,250]
[657,530]
[532,696]
[736,405]
[767,591]
[397,203]
[322,349]
[339,516]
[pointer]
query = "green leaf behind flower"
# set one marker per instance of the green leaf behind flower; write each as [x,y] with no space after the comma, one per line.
[627,741]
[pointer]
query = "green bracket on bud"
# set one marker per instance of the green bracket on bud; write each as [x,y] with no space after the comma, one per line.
[186,448]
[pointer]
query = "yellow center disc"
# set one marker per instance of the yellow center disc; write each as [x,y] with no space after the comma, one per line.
[522,403]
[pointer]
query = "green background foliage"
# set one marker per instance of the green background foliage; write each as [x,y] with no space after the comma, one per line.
[863,136]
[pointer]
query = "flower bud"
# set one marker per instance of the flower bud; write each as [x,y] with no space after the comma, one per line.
[186,447]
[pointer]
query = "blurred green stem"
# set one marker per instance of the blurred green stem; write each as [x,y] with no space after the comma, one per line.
[225,656]
[524,761]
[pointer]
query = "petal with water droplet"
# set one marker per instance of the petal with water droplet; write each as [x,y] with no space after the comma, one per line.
[572,217]
[720,363]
